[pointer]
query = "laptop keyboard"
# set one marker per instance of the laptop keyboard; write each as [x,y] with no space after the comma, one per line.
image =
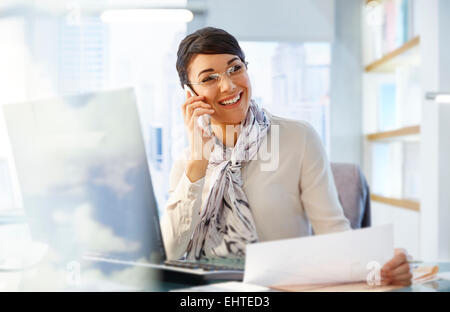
[201,265]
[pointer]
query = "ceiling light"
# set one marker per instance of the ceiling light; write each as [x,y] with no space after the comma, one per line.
[147,16]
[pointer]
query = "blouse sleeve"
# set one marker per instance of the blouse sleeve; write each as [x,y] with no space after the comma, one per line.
[182,211]
[317,188]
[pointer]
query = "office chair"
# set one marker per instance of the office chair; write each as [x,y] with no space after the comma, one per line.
[353,192]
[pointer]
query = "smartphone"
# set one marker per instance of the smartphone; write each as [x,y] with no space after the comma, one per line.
[203,120]
[187,88]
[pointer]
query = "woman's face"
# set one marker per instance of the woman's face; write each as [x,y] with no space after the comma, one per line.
[228,88]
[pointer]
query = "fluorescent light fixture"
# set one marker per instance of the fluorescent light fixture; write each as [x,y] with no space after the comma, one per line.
[147,16]
[443,98]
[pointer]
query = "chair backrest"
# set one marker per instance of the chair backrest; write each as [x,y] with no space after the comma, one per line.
[353,192]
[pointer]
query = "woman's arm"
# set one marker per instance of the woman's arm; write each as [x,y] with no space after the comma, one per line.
[182,211]
[321,202]
[317,188]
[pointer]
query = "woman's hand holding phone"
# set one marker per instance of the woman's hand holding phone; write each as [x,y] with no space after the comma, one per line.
[199,140]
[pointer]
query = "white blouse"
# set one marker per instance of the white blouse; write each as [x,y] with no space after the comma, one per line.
[298,191]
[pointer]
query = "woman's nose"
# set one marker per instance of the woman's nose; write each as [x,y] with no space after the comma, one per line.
[226,84]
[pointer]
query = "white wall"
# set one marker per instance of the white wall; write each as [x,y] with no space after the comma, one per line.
[346,84]
[435,197]
[274,20]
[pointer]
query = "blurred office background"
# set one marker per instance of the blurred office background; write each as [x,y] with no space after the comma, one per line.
[356,70]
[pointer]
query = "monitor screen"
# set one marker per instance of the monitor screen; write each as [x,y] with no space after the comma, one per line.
[85,181]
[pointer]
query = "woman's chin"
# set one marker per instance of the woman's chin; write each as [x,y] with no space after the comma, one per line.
[229,120]
[232,117]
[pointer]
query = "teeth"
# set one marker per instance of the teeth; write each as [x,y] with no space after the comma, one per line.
[232,100]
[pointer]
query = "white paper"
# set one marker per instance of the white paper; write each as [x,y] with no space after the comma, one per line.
[444,275]
[225,287]
[348,256]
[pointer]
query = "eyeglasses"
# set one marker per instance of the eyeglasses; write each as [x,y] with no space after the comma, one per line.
[233,72]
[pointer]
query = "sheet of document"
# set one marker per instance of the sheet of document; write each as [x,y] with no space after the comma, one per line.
[444,276]
[339,287]
[225,287]
[343,257]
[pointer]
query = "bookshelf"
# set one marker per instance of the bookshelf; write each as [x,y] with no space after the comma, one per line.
[394,134]
[408,53]
[420,221]
[402,203]
[391,49]
[392,130]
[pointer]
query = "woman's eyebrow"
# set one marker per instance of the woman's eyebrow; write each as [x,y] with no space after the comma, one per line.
[232,60]
[210,69]
[204,71]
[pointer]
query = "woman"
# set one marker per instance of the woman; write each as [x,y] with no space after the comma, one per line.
[221,197]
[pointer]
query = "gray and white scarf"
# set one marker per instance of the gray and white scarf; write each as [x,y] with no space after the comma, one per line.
[227,224]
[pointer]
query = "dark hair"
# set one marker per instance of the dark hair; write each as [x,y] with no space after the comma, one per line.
[208,40]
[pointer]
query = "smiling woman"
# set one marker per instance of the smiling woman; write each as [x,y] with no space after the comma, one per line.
[227,92]
[223,198]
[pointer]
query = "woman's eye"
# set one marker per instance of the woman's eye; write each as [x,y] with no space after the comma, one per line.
[207,79]
[235,68]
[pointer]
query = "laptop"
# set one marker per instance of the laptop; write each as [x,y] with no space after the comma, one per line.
[86,185]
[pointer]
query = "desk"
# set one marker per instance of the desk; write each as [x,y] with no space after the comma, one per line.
[433,286]
[132,278]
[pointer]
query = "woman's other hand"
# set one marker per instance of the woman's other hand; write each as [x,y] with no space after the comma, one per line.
[397,271]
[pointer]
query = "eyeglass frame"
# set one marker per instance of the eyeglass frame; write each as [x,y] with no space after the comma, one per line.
[201,83]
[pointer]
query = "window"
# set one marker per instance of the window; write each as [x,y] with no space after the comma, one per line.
[14,57]
[292,80]
[6,194]
[91,56]
[42,56]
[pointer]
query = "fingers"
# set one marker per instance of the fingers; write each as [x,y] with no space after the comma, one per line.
[201,111]
[193,107]
[404,279]
[397,271]
[400,250]
[398,259]
[403,250]
[190,100]
[402,269]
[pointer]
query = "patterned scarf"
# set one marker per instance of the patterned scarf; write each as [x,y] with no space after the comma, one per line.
[227,224]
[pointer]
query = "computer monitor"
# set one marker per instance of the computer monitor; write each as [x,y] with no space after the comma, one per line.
[84,177]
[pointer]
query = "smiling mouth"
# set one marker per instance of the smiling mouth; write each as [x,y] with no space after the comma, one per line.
[234,100]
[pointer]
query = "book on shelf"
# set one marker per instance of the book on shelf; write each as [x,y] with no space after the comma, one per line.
[396,170]
[408,96]
[387,119]
[387,169]
[402,29]
[391,24]
[399,100]
[411,170]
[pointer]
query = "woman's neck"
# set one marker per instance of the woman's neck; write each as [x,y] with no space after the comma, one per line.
[227,133]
